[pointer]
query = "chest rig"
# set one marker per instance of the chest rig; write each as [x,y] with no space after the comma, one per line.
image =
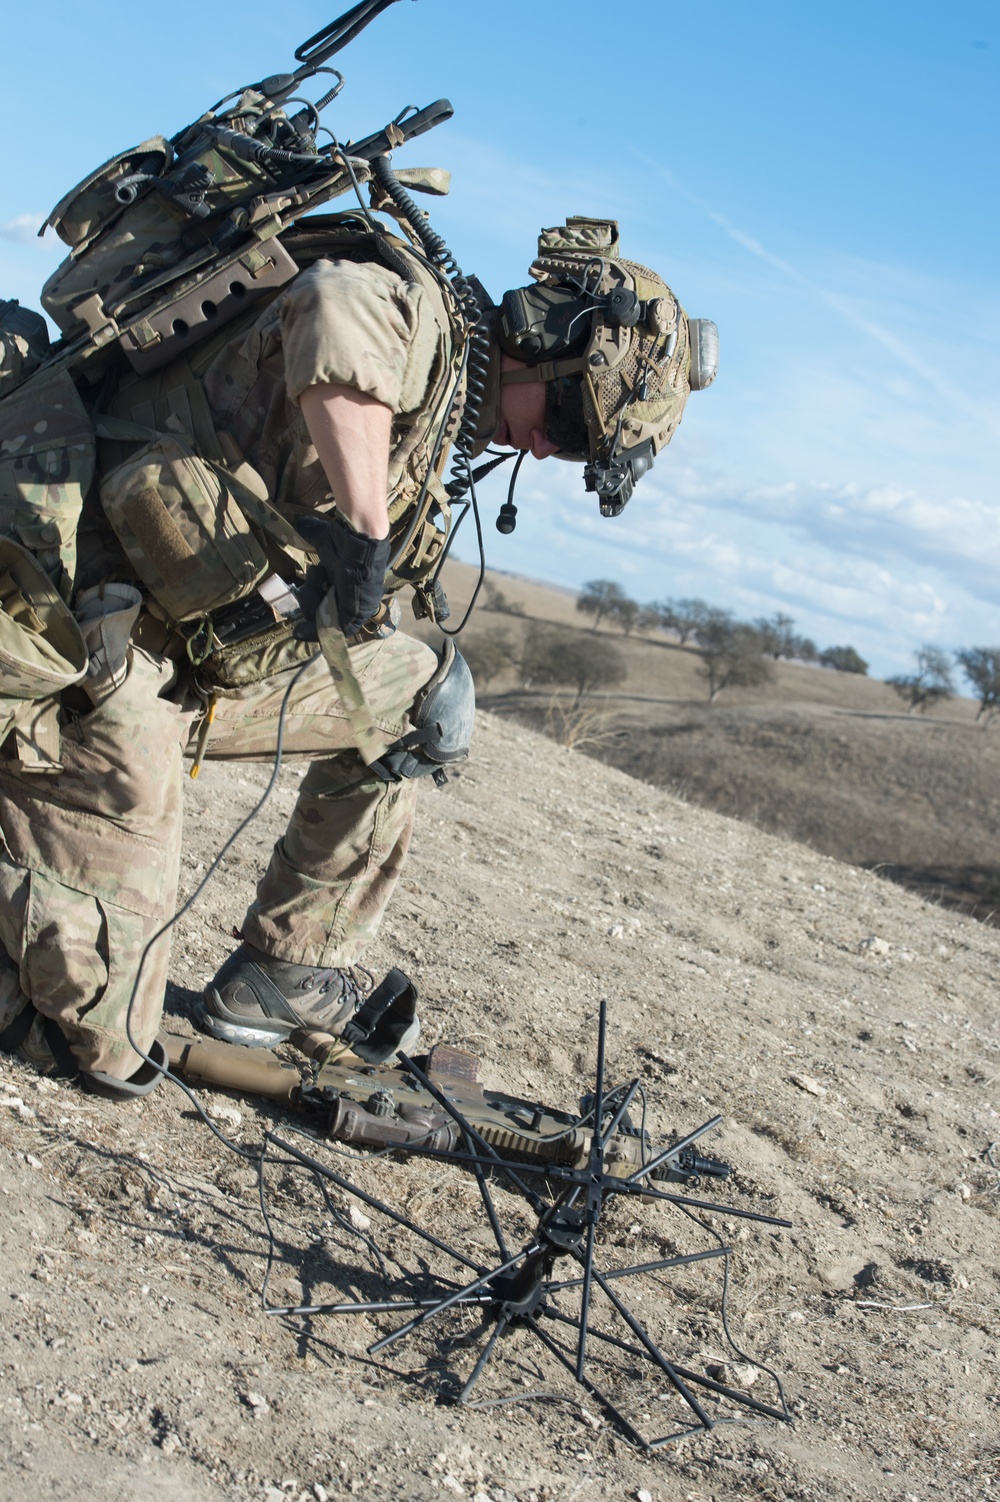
[142,313]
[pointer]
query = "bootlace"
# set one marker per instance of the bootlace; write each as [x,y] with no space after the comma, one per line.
[354,982]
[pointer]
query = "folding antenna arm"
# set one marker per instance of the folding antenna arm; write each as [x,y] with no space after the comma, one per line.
[313,54]
[346,27]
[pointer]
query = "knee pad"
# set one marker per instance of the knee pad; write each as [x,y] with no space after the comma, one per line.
[443,717]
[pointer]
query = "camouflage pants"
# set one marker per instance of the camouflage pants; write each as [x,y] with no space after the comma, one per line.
[89,865]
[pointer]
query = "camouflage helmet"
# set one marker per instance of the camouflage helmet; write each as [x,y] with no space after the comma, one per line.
[615,348]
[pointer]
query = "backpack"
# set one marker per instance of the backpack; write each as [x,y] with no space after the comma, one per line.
[174,238]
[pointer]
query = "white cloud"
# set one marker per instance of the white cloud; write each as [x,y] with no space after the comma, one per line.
[885,568]
[22,229]
[957,536]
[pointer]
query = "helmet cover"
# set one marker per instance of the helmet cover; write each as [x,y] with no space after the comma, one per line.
[618,379]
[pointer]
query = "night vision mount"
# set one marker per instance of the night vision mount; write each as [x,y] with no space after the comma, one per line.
[614,479]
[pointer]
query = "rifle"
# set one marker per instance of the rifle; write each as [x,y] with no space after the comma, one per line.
[564,1166]
[387,1106]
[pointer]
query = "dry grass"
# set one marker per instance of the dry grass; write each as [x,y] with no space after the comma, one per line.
[828,759]
[579,727]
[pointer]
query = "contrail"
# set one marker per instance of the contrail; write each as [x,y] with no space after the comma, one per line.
[889,341]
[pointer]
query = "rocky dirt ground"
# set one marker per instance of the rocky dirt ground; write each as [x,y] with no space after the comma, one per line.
[846,1030]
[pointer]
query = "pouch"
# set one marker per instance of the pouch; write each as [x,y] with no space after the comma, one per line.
[426,531]
[106,615]
[178,520]
[24,343]
[47,453]
[41,652]
[255,659]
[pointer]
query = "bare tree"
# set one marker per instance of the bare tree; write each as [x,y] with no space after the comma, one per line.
[931,681]
[777,637]
[685,616]
[731,654]
[599,598]
[981,666]
[626,615]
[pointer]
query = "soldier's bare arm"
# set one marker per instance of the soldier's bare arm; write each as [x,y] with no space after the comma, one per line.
[352,433]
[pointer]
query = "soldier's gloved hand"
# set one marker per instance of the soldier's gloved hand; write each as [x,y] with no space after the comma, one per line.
[350,564]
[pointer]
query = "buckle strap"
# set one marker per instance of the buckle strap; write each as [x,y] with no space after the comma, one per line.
[66,1062]
[385,1016]
[145,1079]
[17,1030]
[547,370]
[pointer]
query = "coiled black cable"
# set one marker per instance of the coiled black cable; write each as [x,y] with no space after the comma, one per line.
[478,364]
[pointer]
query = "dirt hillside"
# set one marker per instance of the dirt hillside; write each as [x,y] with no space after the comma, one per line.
[830,759]
[846,1031]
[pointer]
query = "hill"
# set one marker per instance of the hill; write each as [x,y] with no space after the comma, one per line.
[845,1029]
[827,758]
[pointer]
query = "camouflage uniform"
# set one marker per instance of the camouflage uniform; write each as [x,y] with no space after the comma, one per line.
[89,871]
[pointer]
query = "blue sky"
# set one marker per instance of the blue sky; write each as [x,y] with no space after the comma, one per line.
[820,179]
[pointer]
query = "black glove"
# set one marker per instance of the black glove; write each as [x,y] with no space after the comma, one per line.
[350,564]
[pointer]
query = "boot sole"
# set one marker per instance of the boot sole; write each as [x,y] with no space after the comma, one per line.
[259,1037]
[240,1032]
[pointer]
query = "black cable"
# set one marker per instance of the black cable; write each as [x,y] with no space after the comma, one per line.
[345,1224]
[336,35]
[643,1155]
[724,1309]
[248,149]
[440,261]
[472,505]
[478,340]
[271,1240]
[474,366]
[418,505]
[337,149]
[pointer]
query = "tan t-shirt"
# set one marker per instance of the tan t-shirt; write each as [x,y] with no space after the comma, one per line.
[350,323]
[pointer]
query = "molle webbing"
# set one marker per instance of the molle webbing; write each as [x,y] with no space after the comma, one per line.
[179,520]
[173,400]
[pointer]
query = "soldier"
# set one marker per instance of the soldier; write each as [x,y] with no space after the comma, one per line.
[326,410]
